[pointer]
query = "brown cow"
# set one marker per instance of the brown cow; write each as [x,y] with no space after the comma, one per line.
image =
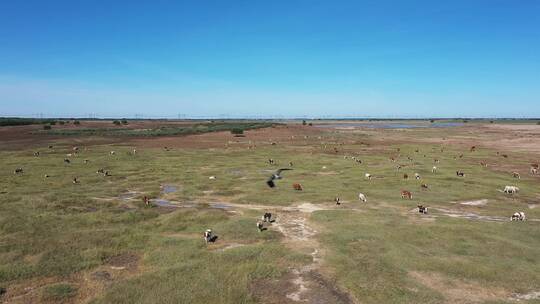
[516,175]
[405,176]
[473,148]
[406,194]
[483,164]
[297,186]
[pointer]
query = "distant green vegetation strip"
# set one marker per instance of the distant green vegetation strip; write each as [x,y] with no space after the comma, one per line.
[162,131]
[7,121]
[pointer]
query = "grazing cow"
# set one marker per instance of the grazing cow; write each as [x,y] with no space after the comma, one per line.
[18,171]
[67,161]
[69,154]
[134,151]
[434,169]
[534,171]
[368,176]
[112,153]
[362,197]
[212,177]
[50,146]
[86,161]
[75,149]
[406,194]
[208,235]
[358,160]
[271,161]
[505,155]
[461,156]
[424,186]
[473,148]
[392,159]
[416,150]
[297,187]
[146,200]
[337,200]
[483,164]
[260,226]
[102,171]
[436,160]
[422,209]
[398,167]
[510,189]
[290,164]
[36,154]
[405,176]
[460,173]
[267,217]
[516,175]
[417,176]
[518,216]
[46,175]
[75,180]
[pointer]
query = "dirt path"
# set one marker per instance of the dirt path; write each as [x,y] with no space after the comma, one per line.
[310,286]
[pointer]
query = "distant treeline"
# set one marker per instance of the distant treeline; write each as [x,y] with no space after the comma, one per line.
[8,121]
[161,131]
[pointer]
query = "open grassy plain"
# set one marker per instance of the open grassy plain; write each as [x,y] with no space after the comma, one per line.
[96,241]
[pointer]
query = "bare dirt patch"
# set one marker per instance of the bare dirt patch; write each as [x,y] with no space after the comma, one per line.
[457,291]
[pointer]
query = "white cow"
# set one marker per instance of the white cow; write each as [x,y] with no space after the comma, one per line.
[518,216]
[212,177]
[511,189]
[368,176]
[362,197]
[113,153]
[434,169]
[417,176]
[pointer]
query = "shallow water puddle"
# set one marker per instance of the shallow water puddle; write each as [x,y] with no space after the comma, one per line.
[168,189]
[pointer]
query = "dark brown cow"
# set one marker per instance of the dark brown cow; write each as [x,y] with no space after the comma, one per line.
[405,176]
[473,148]
[460,173]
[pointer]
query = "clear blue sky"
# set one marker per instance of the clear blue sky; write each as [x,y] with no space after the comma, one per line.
[290,58]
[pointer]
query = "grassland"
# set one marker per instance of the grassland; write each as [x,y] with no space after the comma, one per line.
[96,241]
[161,131]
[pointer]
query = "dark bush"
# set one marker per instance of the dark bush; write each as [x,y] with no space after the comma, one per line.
[124,121]
[61,122]
[237,131]
[76,122]
[303,122]
[116,122]
[47,127]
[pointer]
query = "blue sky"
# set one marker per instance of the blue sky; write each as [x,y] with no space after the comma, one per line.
[270,58]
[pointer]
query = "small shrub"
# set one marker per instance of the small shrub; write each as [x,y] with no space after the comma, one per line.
[124,121]
[59,292]
[491,121]
[47,127]
[116,122]
[432,121]
[53,122]
[303,122]
[465,121]
[61,122]
[538,123]
[237,131]
[76,122]
[310,124]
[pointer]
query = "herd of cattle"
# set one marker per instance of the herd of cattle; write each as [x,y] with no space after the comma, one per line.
[271,182]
